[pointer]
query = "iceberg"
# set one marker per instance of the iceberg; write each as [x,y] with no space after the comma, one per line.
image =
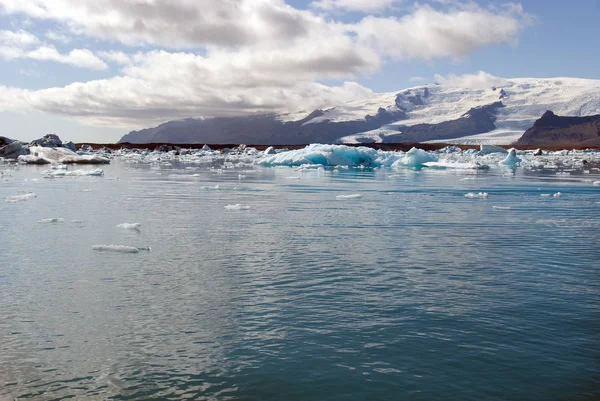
[45,155]
[488,149]
[415,158]
[457,165]
[324,155]
[74,173]
[511,159]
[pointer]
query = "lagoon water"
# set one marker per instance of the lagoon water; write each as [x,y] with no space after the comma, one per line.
[411,291]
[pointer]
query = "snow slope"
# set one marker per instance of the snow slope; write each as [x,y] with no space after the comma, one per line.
[525,100]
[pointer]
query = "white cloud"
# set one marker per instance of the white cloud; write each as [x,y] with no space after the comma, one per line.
[354,5]
[77,57]
[25,45]
[480,80]
[55,36]
[428,33]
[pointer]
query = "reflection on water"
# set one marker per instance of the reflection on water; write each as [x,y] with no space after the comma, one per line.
[411,291]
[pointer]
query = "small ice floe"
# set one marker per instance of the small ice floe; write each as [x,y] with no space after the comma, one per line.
[241,176]
[74,173]
[473,195]
[86,190]
[237,206]
[292,177]
[52,220]
[130,226]
[501,207]
[557,195]
[59,167]
[596,183]
[20,198]
[209,188]
[119,248]
[351,196]
[563,173]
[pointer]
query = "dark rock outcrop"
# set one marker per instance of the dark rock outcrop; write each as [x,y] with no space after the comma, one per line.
[553,130]
[475,121]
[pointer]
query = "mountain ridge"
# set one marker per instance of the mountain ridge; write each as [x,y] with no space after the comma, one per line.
[488,114]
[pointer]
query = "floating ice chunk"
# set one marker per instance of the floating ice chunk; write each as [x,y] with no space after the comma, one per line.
[119,248]
[130,226]
[59,167]
[457,165]
[237,206]
[295,177]
[270,151]
[473,195]
[557,195]
[324,155]
[351,196]
[596,183]
[501,207]
[208,188]
[74,173]
[415,158]
[511,159]
[52,220]
[20,198]
[488,149]
[545,195]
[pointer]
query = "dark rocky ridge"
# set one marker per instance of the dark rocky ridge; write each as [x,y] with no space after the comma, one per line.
[553,130]
[259,129]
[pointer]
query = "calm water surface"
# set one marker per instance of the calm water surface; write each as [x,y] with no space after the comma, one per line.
[410,292]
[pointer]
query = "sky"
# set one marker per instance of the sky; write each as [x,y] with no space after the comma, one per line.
[93,70]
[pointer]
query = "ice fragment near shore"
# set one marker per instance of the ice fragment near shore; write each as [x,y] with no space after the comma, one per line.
[119,248]
[351,196]
[488,149]
[237,206]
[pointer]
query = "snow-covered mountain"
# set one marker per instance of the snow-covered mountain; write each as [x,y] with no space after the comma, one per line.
[427,113]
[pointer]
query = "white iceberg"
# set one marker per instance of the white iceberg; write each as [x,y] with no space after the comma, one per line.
[511,159]
[59,155]
[488,149]
[415,158]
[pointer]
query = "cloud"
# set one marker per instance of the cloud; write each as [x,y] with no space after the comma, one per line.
[354,5]
[24,45]
[428,33]
[82,58]
[480,80]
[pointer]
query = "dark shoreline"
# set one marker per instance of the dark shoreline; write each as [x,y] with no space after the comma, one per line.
[379,146]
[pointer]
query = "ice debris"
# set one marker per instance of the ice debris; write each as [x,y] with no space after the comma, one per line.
[473,195]
[237,206]
[130,226]
[20,198]
[489,149]
[351,196]
[52,220]
[501,207]
[596,183]
[119,248]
